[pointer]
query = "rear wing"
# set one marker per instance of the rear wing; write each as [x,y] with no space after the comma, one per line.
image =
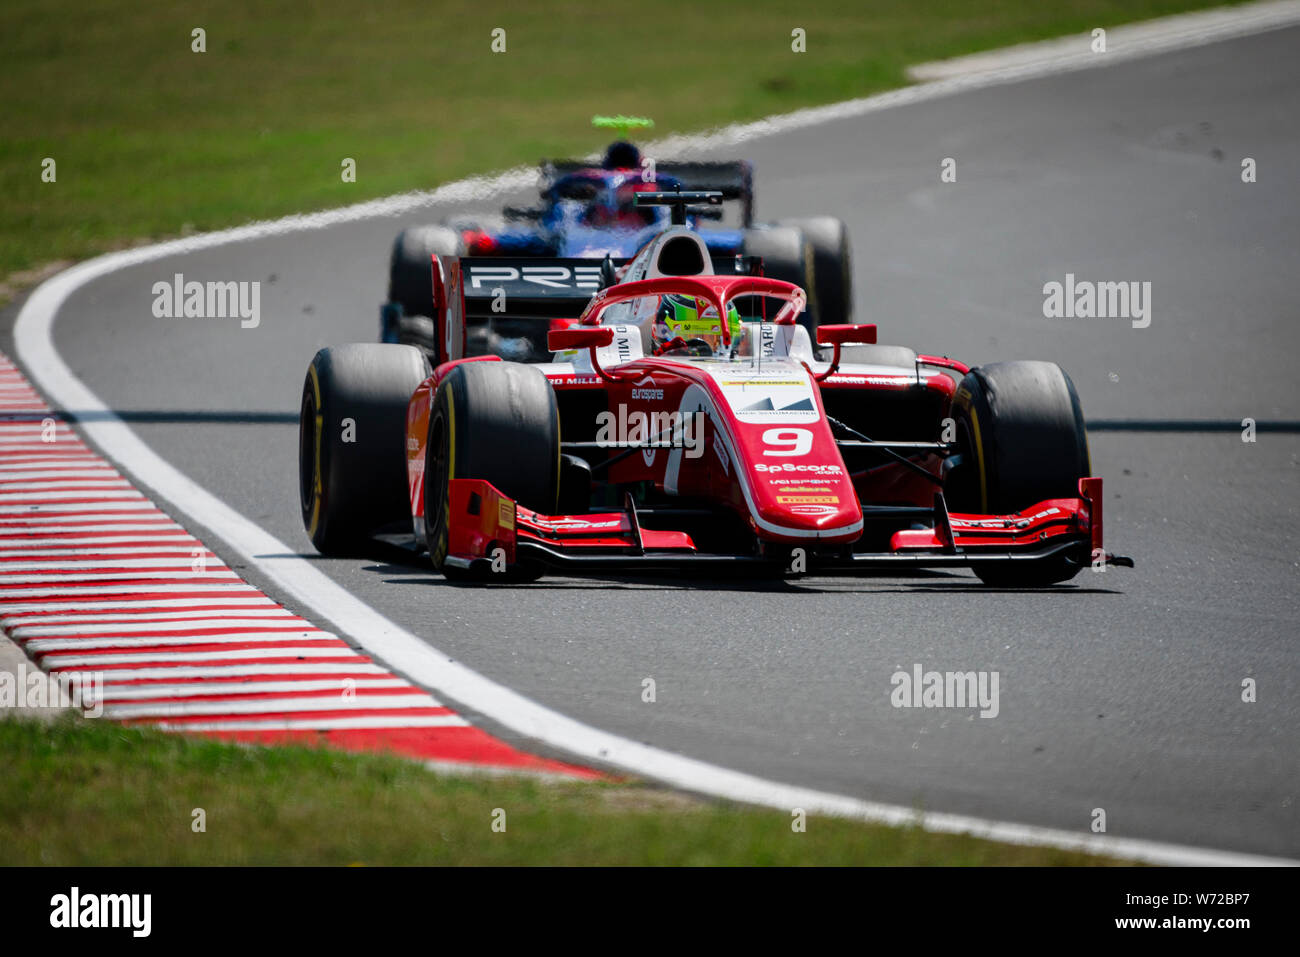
[500,288]
[477,298]
[495,287]
[734,180]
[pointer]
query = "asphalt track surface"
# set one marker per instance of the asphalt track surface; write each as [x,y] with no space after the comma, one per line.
[1120,691]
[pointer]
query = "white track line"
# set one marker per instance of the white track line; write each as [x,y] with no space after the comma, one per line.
[1167,33]
[306,669]
[361,702]
[282,624]
[55,592]
[172,639]
[327,724]
[426,665]
[210,687]
[89,623]
[60,659]
[169,604]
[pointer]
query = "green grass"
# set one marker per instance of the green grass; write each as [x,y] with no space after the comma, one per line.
[152,140]
[80,792]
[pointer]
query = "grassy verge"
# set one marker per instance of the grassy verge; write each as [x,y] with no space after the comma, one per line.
[152,139]
[91,793]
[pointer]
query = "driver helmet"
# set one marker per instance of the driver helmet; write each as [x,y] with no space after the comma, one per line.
[621,155]
[694,319]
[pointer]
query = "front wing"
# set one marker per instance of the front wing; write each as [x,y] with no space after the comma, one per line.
[490,532]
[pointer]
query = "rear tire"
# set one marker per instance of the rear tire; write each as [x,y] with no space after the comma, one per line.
[352,441]
[787,255]
[1022,438]
[410,270]
[419,331]
[832,266]
[495,421]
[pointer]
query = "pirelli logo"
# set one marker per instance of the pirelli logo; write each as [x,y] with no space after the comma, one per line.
[559,278]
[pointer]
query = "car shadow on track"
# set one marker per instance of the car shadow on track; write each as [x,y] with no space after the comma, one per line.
[417,572]
[405,566]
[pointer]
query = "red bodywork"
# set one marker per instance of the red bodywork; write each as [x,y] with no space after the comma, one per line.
[778,470]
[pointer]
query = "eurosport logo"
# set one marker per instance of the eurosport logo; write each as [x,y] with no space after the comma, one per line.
[946,689]
[1084,299]
[180,299]
[544,277]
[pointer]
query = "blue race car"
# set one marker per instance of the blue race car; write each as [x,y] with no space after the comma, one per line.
[589,211]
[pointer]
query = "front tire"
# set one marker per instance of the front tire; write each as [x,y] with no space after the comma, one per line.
[1022,439]
[352,441]
[495,421]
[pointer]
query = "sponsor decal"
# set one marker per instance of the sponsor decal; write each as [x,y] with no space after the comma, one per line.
[505,514]
[720,449]
[817,469]
[808,499]
[892,380]
[544,277]
[575,524]
[812,509]
[578,379]
[623,343]
[617,352]
[778,396]
[1004,522]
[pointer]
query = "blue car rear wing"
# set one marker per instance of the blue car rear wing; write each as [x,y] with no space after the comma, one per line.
[735,180]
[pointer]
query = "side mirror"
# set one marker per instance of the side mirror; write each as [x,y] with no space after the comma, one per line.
[864,335]
[711,213]
[583,337]
[530,213]
[838,336]
[579,337]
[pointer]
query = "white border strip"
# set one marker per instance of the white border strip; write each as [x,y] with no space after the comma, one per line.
[428,666]
[1151,36]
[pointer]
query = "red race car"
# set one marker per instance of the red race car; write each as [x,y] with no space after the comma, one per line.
[687,422]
